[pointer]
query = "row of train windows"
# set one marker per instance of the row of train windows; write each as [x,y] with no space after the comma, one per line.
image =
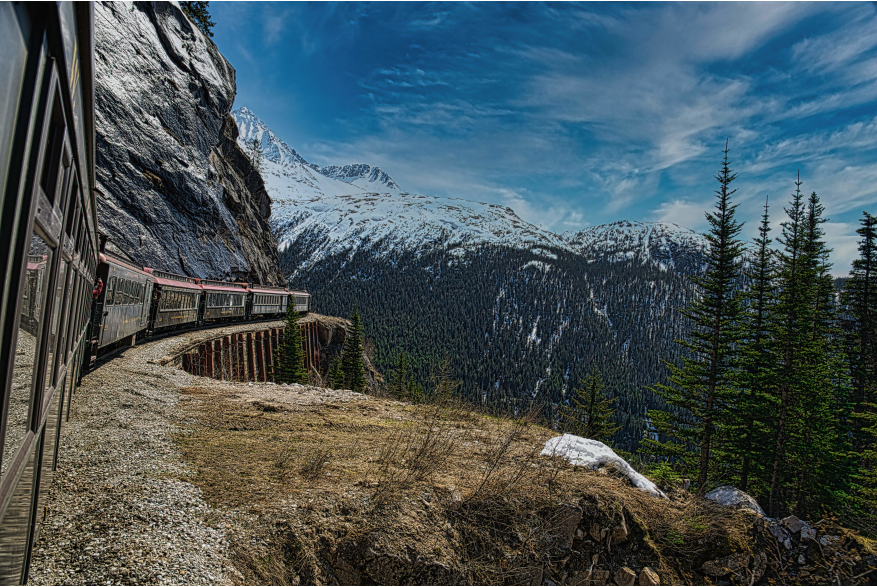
[179,300]
[267,300]
[224,300]
[301,301]
[124,292]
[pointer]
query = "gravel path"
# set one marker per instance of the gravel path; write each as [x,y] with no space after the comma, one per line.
[117,512]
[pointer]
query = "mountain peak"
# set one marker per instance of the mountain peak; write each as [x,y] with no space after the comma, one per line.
[365,177]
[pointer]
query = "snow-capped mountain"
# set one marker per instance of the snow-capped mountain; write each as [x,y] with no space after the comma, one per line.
[354,203]
[668,244]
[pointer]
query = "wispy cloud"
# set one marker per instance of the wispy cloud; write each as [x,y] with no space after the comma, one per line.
[570,112]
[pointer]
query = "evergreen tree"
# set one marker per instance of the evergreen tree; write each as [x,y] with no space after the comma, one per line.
[792,339]
[860,324]
[199,14]
[255,154]
[589,413]
[701,387]
[755,375]
[399,386]
[335,376]
[289,357]
[351,361]
[820,434]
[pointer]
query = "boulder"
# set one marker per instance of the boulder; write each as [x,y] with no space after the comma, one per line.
[619,532]
[624,576]
[730,496]
[567,521]
[649,577]
[734,563]
[793,524]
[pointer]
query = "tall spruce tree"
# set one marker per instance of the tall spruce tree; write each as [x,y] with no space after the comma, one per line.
[860,323]
[400,384]
[791,337]
[589,413]
[755,376]
[701,388]
[860,326]
[290,358]
[351,361]
[819,432]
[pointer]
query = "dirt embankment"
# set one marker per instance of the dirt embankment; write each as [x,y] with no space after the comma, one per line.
[360,490]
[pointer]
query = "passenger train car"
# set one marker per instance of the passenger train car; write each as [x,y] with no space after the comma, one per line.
[136,303]
[48,251]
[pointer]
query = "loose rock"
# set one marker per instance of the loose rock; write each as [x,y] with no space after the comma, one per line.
[624,576]
[649,577]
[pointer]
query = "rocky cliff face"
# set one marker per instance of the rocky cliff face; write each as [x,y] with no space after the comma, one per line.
[175,190]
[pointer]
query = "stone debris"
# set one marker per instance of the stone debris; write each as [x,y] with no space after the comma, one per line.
[730,496]
[624,576]
[648,577]
[118,512]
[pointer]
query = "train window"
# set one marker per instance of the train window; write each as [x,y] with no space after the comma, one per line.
[56,316]
[73,215]
[58,340]
[111,291]
[25,350]
[52,152]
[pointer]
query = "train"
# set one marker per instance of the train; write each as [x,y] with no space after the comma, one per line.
[51,255]
[136,303]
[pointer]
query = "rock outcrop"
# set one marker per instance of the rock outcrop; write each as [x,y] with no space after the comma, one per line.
[174,189]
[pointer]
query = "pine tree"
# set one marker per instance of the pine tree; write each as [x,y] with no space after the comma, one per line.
[351,361]
[399,387]
[860,324]
[290,358]
[791,338]
[755,376]
[198,12]
[820,432]
[701,387]
[589,413]
[335,376]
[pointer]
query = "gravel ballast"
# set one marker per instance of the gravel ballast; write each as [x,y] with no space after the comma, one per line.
[118,512]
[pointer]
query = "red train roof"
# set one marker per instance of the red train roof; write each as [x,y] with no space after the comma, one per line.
[104,258]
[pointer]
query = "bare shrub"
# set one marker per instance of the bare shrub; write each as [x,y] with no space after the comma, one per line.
[315,379]
[508,460]
[418,451]
[314,463]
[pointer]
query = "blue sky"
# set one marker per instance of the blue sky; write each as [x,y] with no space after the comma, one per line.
[576,114]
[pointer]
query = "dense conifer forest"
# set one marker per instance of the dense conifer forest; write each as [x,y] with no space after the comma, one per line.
[517,324]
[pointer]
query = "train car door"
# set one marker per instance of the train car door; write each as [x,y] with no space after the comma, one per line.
[144,310]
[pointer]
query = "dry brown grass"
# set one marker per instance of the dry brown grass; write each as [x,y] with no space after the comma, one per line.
[467,488]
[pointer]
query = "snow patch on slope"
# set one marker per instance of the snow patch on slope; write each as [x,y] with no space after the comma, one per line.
[585,452]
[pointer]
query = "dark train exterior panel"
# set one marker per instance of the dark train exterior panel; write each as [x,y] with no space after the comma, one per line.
[48,251]
[124,301]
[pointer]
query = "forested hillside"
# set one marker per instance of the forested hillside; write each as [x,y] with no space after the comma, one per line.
[517,323]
